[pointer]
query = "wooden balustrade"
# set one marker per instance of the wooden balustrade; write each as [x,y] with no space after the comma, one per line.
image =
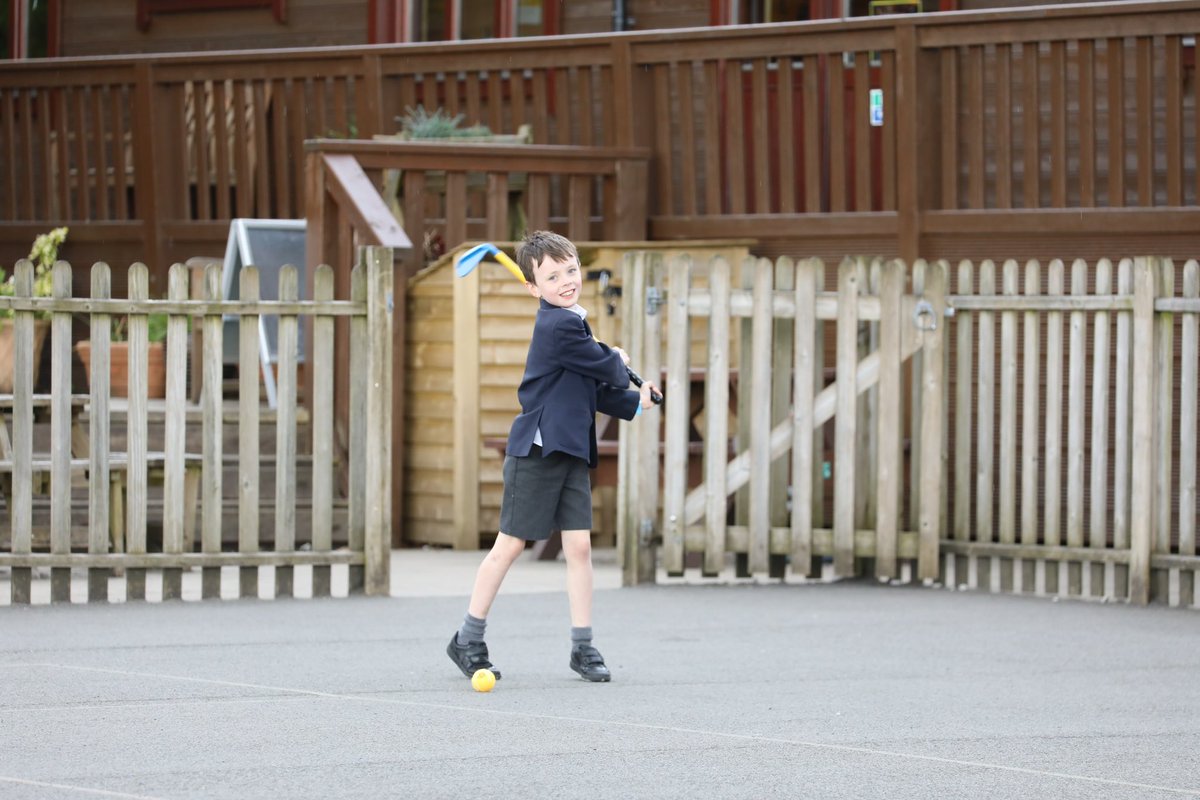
[1069,121]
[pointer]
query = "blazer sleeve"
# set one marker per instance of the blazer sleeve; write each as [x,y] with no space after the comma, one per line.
[581,353]
[619,403]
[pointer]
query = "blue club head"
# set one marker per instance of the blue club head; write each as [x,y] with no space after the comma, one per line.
[470,259]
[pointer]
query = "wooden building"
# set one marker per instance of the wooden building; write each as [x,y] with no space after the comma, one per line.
[54,28]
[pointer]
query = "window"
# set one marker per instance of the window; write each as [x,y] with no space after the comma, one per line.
[531,18]
[28,28]
[439,20]
[480,19]
[432,20]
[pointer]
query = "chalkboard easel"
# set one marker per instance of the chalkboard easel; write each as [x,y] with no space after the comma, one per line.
[268,245]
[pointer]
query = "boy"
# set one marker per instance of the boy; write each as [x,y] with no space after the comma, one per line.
[569,376]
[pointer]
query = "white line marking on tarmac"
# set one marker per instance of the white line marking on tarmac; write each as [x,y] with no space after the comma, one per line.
[172,702]
[84,789]
[842,748]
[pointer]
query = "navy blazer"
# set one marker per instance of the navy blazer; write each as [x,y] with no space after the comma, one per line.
[569,376]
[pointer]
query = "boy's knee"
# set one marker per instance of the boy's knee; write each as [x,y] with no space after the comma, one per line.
[577,544]
[506,549]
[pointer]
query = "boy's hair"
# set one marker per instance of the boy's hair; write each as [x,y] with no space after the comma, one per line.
[537,245]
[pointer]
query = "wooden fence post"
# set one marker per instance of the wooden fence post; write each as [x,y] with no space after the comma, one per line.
[889,464]
[174,498]
[357,430]
[377,544]
[932,403]
[677,389]
[248,430]
[21,499]
[98,483]
[1164,419]
[648,364]
[60,435]
[285,434]
[806,462]
[466,437]
[212,400]
[629,470]
[321,401]
[716,429]
[847,418]
[136,432]
[759,406]
[1188,385]
[1142,517]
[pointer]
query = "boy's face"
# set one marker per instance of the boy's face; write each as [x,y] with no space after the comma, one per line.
[557,282]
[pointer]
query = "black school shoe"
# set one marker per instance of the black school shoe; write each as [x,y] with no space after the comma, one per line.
[470,657]
[587,661]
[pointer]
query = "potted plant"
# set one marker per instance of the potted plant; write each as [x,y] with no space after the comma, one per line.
[118,356]
[43,255]
[418,124]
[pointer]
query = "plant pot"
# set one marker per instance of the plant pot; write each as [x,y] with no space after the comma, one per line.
[41,327]
[119,367]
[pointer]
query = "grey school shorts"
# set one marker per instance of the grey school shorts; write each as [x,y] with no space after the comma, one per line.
[542,495]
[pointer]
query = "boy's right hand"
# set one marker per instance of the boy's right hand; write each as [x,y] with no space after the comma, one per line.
[646,391]
[624,356]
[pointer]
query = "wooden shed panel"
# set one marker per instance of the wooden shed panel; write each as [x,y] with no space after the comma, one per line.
[424,406]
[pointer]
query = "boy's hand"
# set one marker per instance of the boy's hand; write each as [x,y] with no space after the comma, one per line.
[624,356]
[645,391]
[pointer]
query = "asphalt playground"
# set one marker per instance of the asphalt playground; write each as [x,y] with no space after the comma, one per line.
[824,690]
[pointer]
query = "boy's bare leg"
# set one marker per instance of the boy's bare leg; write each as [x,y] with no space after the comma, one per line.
[577,548]
[491,573]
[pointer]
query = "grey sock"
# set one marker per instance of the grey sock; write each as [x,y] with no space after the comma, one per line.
[581,635]
[471,630]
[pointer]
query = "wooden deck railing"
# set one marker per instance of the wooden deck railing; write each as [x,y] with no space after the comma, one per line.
[189,480]
[1072,121]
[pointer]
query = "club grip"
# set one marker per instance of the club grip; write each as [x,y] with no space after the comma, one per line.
[637,381]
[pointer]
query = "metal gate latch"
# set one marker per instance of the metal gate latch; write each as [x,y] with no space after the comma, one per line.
[924,316]
[654,299]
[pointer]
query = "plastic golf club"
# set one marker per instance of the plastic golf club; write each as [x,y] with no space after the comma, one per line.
[470,260]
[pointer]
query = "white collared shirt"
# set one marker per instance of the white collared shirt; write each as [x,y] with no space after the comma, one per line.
[582,312]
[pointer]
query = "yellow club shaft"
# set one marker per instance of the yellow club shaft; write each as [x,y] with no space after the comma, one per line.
[510,265]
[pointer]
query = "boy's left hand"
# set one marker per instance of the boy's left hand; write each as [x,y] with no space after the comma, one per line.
[645,391]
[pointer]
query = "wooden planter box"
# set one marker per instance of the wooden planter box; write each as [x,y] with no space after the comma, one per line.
[41,327]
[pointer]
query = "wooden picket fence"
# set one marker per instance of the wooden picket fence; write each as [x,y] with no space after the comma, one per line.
[947,459]
[191,479]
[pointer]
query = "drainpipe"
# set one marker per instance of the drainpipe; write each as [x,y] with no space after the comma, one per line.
[620,23]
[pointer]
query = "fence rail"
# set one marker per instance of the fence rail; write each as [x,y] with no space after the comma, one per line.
[1049,436]
[118,482]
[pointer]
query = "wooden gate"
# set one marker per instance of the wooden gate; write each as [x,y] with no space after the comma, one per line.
[768,477]
[1017,434]
[117,481]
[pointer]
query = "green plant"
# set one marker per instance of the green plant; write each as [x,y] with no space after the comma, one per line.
[43,255]
[418,123]
[156,325]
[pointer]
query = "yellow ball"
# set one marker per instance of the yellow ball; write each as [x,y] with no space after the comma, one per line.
[483,680]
